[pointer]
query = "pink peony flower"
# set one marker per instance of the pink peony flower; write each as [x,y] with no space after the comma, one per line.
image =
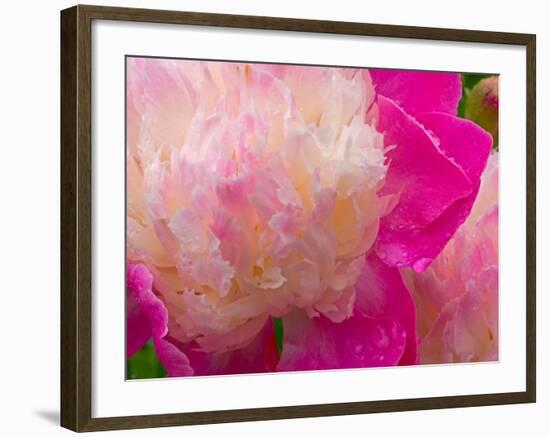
[260,191]
[457,297]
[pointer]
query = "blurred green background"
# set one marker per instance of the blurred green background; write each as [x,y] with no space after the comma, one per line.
[144,364]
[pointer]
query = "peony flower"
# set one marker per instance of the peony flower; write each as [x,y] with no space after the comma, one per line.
[265,191]
[457,297]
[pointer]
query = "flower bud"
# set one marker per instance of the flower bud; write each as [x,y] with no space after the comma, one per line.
[482,106]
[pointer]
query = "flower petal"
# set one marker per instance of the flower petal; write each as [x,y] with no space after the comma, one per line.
[138,330]
[161,102]
[435,167]
[360,341]
[380,292]
[147,317]
[467,328]
[462,141]
[140,285]
[146,314]
[259,356]
[419,91]
[457,297]
[172,358]
[426,179]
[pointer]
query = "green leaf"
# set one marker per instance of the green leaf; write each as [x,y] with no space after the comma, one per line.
[278,326]
[145,364]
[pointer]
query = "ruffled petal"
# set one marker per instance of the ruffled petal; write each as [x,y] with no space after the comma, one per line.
[380,292]
[435,168]
[254,192]
[419,91]
[358,342]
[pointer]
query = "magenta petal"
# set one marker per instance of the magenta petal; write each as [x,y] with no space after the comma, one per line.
[138,330]
[259,356]
[148,317]
[380,292]
[435,168]
[425,179]
[139,283]
[419,91]
[172,358]
[139,311]
[463,141]
[360,341]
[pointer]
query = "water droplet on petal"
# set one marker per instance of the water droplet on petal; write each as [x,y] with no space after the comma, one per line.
[421,264]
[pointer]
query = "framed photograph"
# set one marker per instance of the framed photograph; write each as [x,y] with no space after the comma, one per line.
[268,218]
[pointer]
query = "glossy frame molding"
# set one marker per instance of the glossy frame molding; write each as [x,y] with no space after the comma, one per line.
[76,217]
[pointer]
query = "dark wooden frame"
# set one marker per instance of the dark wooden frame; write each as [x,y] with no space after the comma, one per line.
[76,218]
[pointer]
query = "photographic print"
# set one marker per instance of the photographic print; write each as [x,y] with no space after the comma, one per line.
[294,218]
